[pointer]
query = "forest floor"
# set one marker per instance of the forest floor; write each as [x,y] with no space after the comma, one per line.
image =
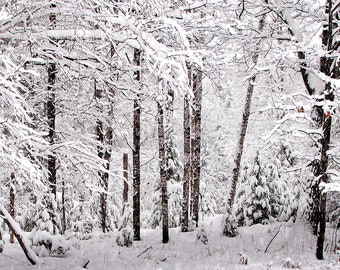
[183,251]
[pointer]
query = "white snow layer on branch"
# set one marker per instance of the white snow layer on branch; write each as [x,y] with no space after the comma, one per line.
[293,26]
[327,187]
[70,34]
[164,62]
[25,244]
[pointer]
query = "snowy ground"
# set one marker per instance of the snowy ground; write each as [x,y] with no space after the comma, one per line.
[183,252]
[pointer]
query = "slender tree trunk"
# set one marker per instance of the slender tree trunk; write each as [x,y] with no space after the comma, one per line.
[12,203]
[196,143]
[244,125]
[324,179]
[104,153]
[24,243]
[126,178]
[163,175]
[136,153]
[330,67]
[63,207]
[51,114]
[100,138]
[187,160]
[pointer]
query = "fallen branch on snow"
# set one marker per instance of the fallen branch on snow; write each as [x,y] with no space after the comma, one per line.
[140,254]
[15,228]
[265,251]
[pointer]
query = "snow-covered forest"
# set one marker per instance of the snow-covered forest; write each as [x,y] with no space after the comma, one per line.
[145,134]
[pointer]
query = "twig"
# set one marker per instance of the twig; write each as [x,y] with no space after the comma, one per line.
[140,254]
[85,265]
[272,239]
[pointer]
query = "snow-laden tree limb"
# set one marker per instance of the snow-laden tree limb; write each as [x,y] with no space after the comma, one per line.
[24,243]
[69,34]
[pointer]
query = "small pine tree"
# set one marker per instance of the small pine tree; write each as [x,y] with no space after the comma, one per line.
[175,207]
[45,236]
[253,198]
[82,221]
[156,211]
[202,235]
[125,232]
[229,224]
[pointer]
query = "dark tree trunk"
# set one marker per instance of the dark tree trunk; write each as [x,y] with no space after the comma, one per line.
[187,160]
[163,175]
[24,243]
[51,114]
[50,105]
[63,207]
[244,125]
[240,145]
[104,153]
[330,67]
[12,203]
[126,178]
[136,152]
[103,183]
[196,143]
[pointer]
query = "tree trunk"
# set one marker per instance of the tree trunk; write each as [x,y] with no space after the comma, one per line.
[24,243]
[51,114]
[330,67]
[126,178]
[63,207]
[163,175]
[12,203]
[187,160]
[196,143]
[103,182]
[136,152]
[104,153]
[244,125]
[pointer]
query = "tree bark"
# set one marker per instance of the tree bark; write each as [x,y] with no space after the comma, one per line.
[330,67]
[136,152]
[126,178]
[187,160]
[163,174]
[104,153]
[63,207]
[245,120]
[24,243]
[12,202]
[51,114]
[196,143]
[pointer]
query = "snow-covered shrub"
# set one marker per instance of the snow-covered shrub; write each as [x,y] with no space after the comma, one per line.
[243,258]
[215,168]
[125,232]
[125,237]
[126,218]
[289,263]
[29,211]
[229,224]
[202,235]
[156,210]
[253,196]
[174,205]
[264,194]
[45,236]
[81,220]
[113,214]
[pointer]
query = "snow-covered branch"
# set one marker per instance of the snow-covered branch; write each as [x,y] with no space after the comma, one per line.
[24,243]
